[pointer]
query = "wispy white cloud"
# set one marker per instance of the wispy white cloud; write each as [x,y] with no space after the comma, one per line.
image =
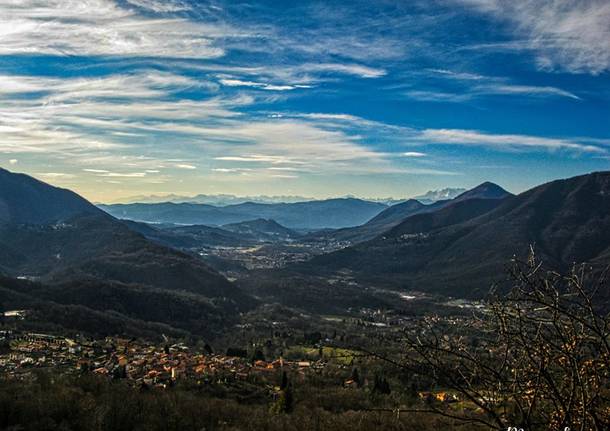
[569,35]
[230,170]
[96,171]
[354,31]
[234,82]
[437,96]
[289,141]
[140,85]
[272,87]
[348,121]
[161,6]
[55,175]
[96,114]
[173,30]
[104,27]
[110,174]
[80,122]
[123,174]
[488,90]
[285,168]
[24,134]
[284,77]
[326,116]
[531,90]
[255,158]
[231,82]
[96,123]
[472,85]
[348,69]
[285,176]
[501,141]
[458,75]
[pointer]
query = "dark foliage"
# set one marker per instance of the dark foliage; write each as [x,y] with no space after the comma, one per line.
[89,403]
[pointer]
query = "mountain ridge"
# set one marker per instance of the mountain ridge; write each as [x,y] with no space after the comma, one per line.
[26,200]
[330,213]
[70,241]
[395,214]
[566,220]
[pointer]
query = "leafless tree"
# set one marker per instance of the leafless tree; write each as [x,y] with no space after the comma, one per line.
[535,358]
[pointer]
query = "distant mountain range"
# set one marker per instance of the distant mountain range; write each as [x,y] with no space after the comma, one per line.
[294,212]
[81,269]
[80,256]
[465,246]
[330,213]
[228,199]
[395,214]
[439,195]
[216,200]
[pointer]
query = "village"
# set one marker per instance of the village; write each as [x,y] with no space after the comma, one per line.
[142,364]
[270,350]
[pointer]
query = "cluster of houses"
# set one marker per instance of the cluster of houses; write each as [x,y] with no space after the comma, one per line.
[140,363]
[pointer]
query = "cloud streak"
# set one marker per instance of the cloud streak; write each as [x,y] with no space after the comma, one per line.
[87,118]
[568,35]
[502,141]
[105,28]
[468,86]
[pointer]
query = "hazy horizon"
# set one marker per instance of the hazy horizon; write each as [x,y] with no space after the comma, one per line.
[279,198]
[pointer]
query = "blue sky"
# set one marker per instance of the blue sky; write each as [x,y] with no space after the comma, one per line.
[375,99]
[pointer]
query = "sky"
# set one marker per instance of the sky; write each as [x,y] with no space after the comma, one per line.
[117,98]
